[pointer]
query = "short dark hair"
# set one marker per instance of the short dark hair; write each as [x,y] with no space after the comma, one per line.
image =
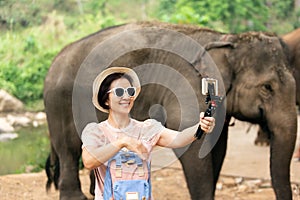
[105,86]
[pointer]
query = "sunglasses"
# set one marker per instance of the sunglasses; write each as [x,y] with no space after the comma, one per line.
[119,91]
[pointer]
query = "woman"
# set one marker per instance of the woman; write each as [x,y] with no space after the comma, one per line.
[114,92]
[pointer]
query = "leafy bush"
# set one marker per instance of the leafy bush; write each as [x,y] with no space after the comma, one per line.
[24,66]
[233,16]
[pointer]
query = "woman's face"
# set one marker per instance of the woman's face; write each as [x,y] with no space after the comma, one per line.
[120,104]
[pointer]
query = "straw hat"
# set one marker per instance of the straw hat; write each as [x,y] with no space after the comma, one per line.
[99,79]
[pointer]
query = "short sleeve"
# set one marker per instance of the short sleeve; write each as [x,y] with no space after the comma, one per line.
[93,136]
[151,131]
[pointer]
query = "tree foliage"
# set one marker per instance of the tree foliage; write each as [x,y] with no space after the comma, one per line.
[230,15]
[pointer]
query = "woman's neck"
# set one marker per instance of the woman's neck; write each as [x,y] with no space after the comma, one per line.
[118,121]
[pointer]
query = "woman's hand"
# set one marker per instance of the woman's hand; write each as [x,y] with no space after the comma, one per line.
[207,123]
[134,145]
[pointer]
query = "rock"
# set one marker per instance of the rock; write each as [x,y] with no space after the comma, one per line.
[219,186]
[228,181]
[4,137]
[243,188]
[35,124]
[239,180]
[9,121]
[18,120]
[5,126]
[8,103]
[40,116]
[254,183]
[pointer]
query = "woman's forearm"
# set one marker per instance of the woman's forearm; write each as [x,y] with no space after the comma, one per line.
[94,157]
[184,137]
[175,139]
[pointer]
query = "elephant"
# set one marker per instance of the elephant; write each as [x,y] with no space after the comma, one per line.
[255,80]
[292,39]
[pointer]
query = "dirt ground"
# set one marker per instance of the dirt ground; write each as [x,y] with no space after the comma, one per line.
[167,183]
[244,176]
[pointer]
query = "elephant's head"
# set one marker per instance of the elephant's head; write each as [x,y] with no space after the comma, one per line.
[261,89]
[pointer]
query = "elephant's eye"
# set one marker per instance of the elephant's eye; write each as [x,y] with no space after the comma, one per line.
[268,87]
[266,91]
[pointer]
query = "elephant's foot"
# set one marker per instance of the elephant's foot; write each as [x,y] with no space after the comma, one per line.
[262,142]
[73,195]
[262,138]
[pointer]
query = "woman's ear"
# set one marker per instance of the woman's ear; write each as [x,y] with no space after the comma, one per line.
[107,103]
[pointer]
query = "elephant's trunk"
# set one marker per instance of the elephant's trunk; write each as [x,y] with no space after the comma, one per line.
[282,147]
[283,137]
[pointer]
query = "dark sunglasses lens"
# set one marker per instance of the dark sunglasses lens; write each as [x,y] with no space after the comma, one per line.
[119,92]
[131,91]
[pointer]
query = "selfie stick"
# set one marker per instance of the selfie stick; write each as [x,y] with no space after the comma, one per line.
[210,89]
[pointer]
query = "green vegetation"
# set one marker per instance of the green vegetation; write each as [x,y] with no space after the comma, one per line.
[233,16]
[26,54]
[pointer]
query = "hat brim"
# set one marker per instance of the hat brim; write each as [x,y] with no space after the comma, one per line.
[99,79]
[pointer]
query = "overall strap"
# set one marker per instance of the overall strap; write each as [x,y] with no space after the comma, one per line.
[107,193]
[149,179]
[108,180]
[140,168]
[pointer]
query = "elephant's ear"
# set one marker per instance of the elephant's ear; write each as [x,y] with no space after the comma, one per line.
[225,41]
[231,58]
[235,56]
[219,44]
[288,53]
[229,41]
[199,62]
[223,53]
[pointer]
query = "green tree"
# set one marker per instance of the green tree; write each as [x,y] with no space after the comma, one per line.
[229,15]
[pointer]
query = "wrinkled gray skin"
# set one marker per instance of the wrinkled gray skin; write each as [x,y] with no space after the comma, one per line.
[292,39]
[259,89]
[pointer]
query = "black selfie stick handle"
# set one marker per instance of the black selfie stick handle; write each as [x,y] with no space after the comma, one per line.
[200,132]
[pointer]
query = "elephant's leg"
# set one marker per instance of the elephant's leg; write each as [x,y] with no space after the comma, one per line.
[52,169]
[219,152]
[198,173]
[69,155]
[282,147]
[67,145]
[262,138]
[69,184]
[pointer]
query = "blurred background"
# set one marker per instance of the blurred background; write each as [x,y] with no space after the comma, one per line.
[32,32]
